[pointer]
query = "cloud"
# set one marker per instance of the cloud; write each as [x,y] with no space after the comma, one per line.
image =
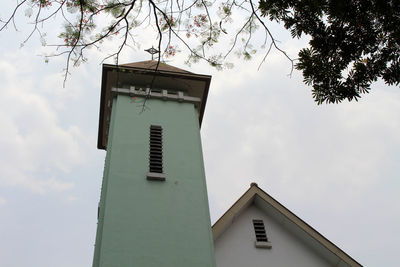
[2,201]
[71,199]
[37,147]
[257,131]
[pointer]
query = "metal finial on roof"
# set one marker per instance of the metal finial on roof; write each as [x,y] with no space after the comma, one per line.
[152,51]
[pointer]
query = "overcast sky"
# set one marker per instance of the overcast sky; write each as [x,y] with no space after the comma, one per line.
[335,166]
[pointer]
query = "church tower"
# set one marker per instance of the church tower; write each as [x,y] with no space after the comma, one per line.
[153,208]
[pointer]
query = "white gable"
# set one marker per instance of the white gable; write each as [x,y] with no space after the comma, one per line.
[291,241]
[236,246]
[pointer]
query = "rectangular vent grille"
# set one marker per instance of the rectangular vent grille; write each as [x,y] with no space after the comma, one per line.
[259,230]
[156,157]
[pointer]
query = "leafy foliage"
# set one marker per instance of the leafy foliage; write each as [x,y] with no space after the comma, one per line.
[353,43]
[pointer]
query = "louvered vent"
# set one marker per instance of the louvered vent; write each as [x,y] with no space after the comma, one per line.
[156,154]
[156,149]
[259,230]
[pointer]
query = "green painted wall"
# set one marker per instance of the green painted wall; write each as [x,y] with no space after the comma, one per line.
[153,223]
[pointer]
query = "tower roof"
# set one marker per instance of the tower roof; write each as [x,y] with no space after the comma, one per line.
[152,65]
[148,74]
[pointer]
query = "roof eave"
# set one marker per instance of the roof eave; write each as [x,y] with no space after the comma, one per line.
[165,73]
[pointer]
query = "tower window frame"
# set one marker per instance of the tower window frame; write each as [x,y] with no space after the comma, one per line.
[156,154]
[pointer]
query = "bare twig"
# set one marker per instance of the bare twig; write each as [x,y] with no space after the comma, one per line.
[12,15]
[272,38]
[167,18]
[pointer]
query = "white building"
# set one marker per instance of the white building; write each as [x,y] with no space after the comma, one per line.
[259,231]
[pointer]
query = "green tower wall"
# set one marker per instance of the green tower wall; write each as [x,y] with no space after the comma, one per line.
[153,223]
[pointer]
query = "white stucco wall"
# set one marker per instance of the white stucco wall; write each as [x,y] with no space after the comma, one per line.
[235,247]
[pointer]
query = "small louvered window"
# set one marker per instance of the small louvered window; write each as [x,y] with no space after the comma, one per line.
[261,235]
[259,229]
[156,154]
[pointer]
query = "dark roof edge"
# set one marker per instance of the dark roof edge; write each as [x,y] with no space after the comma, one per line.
[187,75]
[101,112]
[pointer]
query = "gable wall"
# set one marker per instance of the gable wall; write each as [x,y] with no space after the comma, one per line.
[235,247]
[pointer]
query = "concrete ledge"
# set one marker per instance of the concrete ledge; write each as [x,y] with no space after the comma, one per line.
[154,176]
[263,244]
[162,95]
